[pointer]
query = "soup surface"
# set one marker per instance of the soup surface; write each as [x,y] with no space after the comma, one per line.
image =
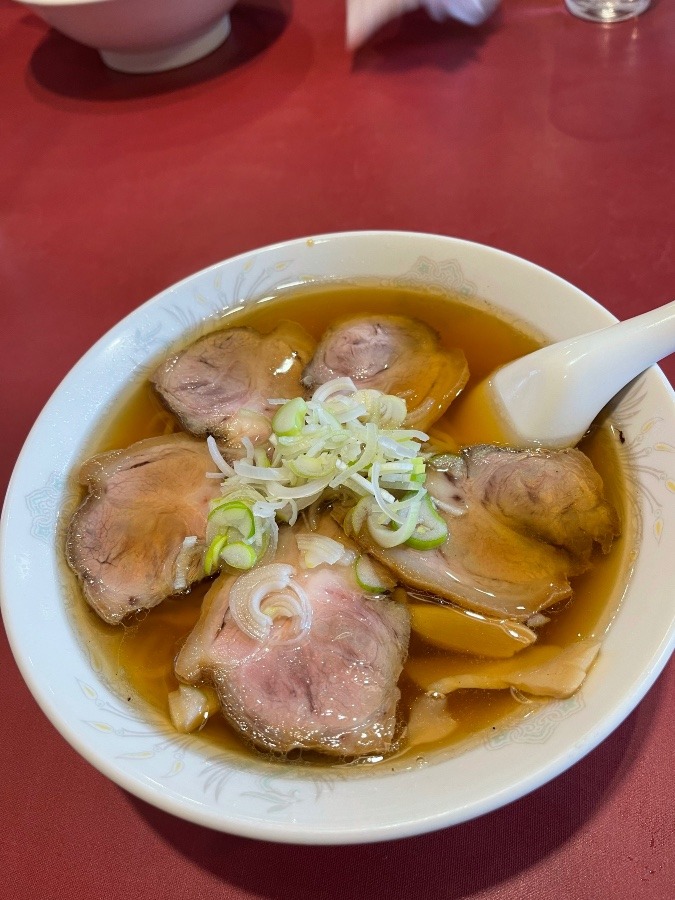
[138,656]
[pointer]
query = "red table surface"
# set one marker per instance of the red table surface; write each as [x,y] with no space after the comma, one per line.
[538,133]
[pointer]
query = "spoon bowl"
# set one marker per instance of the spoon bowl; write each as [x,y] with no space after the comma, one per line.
[549,398]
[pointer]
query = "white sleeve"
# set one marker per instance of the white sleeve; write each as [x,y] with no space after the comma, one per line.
[365,17]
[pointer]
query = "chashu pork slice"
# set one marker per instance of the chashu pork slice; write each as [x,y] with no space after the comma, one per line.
[221,384]
[139,534]
[332,689]
[520,523]
[396,355]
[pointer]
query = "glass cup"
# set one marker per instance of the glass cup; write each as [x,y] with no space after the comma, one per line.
[607,10]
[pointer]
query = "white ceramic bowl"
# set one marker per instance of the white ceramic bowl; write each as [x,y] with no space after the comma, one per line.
[141,35]
[204,785]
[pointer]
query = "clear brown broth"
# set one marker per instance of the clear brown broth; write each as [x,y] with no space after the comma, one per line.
[139,656]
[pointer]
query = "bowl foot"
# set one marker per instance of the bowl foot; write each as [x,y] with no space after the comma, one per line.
[170,57]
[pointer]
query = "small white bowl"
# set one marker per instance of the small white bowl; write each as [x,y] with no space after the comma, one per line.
[222,790]
[139,36]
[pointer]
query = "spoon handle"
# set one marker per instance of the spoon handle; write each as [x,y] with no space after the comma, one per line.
[550,397]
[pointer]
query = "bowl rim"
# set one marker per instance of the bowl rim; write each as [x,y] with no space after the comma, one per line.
[285,831]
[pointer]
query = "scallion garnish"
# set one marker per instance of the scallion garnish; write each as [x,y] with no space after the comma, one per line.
[340,438]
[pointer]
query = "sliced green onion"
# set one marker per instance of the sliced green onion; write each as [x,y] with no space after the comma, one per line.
[359,514]
[213,553]
[372,578]
[260,457]
[289,418]
[364,461]
[288,512]
[217,456]
[247,470]
[312,466]
[233,514]
[335,386]
[349,414]
[312,489]
[397,449]
[318,548]
[419,466]
[386,410]
[239,555]
[340,438]
[247,444]
[431,530]
[387,534]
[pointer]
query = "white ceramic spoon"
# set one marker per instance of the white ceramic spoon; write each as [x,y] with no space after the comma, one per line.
[550,397]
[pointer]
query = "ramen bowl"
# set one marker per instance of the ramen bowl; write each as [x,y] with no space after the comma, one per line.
[251,795]
[139,36]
